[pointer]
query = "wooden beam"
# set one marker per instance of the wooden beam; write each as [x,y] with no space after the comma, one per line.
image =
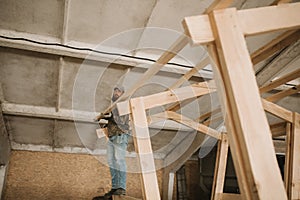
[295,156]
[287,164]
[284,79]
[253,21]
[143,147]
[176,106]
[203,63]
[278,129]
[218,4]
[283,93]
[257,20]
[220,167]
[179,44]
[195,125]
[248,130]
[167,97]
[278,111]
[275,45]
[277,65]
[207,115]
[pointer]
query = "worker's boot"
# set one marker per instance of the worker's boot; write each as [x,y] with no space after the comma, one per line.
[120,191]
[109,194]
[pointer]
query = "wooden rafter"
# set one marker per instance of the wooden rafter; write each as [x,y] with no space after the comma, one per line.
[287,56]
[278,111]
[220,167]
[282,80]
[142,143]
[190,73]
[284,93]
[275,45]
[195,125]
[167,97]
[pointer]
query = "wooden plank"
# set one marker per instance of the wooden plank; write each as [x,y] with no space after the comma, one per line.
[195,125]
[284,79]
[248,130]
[207,84]
[220,167]
[278,64]
[141,138]
[203,63]
[198,29]
[278,111]
[257,20]
[218,4]
[274,46]
[283,93]
[287,164]
[295,156]
[171,185]
[167,97]
[278,129]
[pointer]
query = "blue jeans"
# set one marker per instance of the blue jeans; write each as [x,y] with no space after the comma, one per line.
[116,151]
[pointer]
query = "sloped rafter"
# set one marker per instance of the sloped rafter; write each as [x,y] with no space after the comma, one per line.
[275,45]
[278,64]
[284,79]
[284,93]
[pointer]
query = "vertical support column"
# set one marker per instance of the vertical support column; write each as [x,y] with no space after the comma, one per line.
[248,130]
[220,167]
[287,165]
[295,158]
[143,147]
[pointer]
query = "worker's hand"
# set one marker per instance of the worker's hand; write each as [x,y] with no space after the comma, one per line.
[130,147]
[102,116]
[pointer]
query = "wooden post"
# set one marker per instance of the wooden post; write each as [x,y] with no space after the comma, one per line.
[295,158]
[287,164]
[248,130]
[143,147]
[220,167]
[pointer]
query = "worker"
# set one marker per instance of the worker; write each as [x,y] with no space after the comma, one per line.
[118,134]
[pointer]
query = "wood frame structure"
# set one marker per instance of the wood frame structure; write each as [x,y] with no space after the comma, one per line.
[249,135]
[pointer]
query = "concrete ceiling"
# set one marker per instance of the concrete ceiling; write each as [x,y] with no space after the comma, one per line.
[41,84]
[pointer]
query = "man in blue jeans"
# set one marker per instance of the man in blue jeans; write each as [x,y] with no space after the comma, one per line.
[118,132]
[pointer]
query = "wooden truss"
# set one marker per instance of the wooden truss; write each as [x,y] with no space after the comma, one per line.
[249,135]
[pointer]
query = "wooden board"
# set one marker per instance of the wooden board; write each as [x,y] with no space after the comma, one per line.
[220,167]
[142,142]
[248,130]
